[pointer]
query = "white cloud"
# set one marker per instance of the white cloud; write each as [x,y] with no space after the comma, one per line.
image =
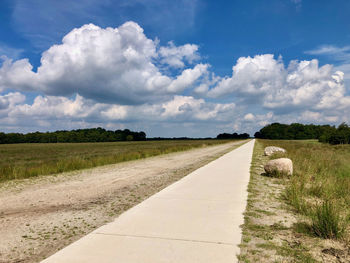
[117,77]
[188,114]
[10,100]
[52,107]
[115,112]
[187,78]
[311,116]
[176,56]
[340,55]
[179,108]
[249,117]
[189,108]
[302,85]
[113,65]
[251,76]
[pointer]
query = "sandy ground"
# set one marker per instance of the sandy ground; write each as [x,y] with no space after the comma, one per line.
[40,216]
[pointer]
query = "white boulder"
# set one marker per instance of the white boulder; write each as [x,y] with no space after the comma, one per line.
[280,166]
[272,149]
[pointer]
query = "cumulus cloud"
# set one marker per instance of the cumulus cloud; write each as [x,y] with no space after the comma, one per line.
[118,77]
[176,56]
[340,56]
[187,78]
[112,65]
[10,100]
[184,108]
[301,85]
[53,107]
[251,76]
[196,109]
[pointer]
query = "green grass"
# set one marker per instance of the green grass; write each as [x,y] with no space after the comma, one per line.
[20,161]
[326,221]
[320,186]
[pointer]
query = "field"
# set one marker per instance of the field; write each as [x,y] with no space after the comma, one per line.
[304,218]
[27,160]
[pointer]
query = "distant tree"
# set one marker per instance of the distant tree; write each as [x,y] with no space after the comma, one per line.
[341,135]
[81,135]
[129,137]
[257,135]
[297,131]
[232,136]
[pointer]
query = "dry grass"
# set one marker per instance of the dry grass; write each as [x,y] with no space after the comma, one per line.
[28,160]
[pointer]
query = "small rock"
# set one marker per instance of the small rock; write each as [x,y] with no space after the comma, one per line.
[279,166]
[272,149]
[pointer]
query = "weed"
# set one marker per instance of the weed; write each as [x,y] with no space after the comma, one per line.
[247,239]
[243,258]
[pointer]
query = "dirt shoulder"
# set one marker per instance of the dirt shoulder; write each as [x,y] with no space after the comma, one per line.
[42,215]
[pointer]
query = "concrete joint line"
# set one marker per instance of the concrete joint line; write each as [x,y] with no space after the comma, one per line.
[166,238]
[189,199]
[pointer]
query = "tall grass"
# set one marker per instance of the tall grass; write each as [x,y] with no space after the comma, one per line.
[28,160]
[327,221]
[320,184]
[294,195]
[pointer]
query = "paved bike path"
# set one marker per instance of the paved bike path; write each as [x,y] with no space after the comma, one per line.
[196,219]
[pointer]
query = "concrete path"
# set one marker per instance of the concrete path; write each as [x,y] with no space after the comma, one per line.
[196,219]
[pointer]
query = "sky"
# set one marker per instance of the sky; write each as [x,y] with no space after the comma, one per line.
[173,68]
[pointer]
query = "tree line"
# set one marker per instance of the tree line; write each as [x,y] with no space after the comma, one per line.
[232,136]
[275,131]
[340,135]
[296,131]
[80,135]
[95,135]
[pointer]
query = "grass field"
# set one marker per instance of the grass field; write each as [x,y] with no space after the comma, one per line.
[27,160]
[320,187]
[302,218]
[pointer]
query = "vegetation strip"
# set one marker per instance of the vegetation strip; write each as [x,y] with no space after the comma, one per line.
[303,218]
[20,161]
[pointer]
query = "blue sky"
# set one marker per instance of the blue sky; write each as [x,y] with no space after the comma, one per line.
[176,68]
